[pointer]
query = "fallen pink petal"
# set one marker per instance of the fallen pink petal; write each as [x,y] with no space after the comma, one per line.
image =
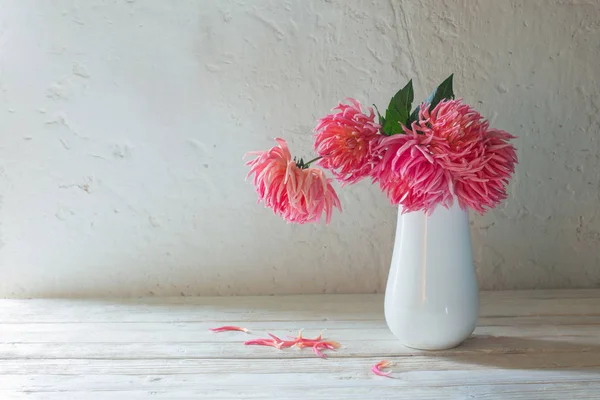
[318,338]
[382,364]
[282,344]
[300,342]
[261,342]
[317,352]
[325,345]
[229,328]
[311,343]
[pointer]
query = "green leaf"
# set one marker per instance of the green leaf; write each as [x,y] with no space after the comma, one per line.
[443,92]
[398,110]
[392,122]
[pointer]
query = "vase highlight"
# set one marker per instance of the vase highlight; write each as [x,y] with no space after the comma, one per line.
[431,299]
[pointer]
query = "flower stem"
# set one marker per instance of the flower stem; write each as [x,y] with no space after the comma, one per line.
[306,164]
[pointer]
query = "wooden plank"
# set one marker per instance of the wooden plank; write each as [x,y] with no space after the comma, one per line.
[200,333]
[350,349]
[550,294]
[540,320]
[286,380]
[150,367]
[24,332]
[215,310]
[286,308]
[548,391]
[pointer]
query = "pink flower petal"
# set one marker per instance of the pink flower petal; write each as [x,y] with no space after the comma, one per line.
[382,364]
[316,349]
[282,344]
[261,342]
[229,328]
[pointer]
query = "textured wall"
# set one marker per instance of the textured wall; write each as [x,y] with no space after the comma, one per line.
[123,124]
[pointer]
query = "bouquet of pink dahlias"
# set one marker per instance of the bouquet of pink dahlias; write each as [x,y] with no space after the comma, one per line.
[442,151]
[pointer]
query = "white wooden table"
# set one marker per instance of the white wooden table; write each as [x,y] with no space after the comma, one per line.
[528,345]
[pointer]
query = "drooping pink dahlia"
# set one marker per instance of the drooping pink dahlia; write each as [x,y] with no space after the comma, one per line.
[298,195]
[345,140]
[448,152]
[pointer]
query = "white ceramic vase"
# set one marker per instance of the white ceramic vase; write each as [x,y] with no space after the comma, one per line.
[431,299]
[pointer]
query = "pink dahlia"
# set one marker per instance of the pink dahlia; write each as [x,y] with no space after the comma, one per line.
[298,195]
[345,140]
[449,152]
[409,175]
[486,187]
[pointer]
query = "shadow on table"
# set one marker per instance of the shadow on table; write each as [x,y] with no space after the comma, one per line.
[509,352]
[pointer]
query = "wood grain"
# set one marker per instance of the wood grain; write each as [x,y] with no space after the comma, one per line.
[528,345]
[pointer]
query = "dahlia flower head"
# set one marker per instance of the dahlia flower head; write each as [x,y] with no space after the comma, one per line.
[292,190]
[448,153]
[345,139]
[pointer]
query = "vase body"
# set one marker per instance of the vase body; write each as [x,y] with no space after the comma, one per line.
[432,299]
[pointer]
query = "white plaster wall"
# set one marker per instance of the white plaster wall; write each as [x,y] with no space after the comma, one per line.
[123,125]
